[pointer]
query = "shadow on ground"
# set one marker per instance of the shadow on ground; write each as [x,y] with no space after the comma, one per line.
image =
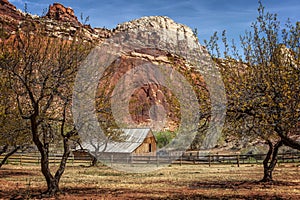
[13,173]
[190,192]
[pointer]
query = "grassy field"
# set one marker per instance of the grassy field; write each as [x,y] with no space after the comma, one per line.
[173,182]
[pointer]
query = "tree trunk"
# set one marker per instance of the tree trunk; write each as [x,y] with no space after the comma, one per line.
[270,161]
[94,162]
[286,140]
[52,184]
[9,154]
[95,158]
[52,187]
[43,147]
[53,181]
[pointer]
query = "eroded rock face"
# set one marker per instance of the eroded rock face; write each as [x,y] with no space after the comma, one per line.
[164,33]
[157,22]
[145,98]
[8,9]
[9,16]
[60,13]
[152,102]
[61,22]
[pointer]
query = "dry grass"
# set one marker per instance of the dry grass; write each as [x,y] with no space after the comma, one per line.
[174,182]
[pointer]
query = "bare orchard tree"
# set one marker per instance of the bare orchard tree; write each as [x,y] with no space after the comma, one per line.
[263,85]
[42,71]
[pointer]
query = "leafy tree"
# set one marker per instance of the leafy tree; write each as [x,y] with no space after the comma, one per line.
[41,73]
[263,84]
[164,137]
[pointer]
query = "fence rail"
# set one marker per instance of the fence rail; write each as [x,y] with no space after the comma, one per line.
[236,159]
[293,157]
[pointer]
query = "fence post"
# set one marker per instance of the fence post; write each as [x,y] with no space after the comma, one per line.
[256,160]
[180,160]
[238,160]
[131,160]
[111,159]
[72,160]
[194,160]
[21,158]
[157,160]
[209,160]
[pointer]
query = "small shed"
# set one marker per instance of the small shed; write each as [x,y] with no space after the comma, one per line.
[136,142]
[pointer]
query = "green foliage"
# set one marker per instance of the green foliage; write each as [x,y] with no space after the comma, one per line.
[164,137]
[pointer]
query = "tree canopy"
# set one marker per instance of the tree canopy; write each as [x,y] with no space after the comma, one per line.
[263,83]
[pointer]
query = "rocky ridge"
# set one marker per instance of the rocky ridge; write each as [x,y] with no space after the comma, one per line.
[153,96]
[157,22]
[9,16]
[60,13]
[59,21]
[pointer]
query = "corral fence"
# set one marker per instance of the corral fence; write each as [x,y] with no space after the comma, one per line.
[185,158]
[237,159]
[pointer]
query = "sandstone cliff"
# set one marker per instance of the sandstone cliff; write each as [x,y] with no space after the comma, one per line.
[10,17]
[59,21]
[153,105]
[60,13]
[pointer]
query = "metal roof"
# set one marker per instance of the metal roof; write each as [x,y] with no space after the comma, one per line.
[133,138]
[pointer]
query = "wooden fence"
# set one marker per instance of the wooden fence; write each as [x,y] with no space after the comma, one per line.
[35,158]
[236,159]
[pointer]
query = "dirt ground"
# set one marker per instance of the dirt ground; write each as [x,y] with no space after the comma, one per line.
[172,182]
